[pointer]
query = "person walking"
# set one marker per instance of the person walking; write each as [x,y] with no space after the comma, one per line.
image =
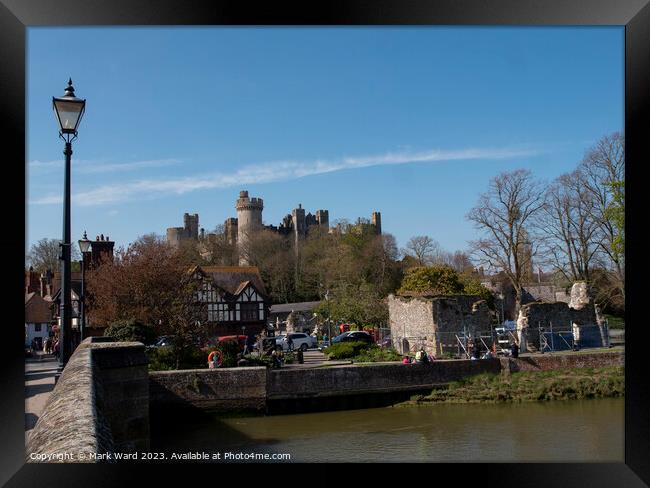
[514,350]
[289,342]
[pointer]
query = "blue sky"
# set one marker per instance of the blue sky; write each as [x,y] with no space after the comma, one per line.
[411,121]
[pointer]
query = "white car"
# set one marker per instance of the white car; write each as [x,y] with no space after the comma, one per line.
[300,340]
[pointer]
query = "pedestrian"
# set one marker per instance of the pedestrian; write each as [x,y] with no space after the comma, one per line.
[56,349]
[514,350]
[248,345]
[421,357]
[289,342]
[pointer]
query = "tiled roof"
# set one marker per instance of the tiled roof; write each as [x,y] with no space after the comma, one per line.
[234,279]
[37,310]
[296,307]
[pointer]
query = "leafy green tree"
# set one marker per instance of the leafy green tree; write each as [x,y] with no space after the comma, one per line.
[472,286]
[436,280]
[615,212]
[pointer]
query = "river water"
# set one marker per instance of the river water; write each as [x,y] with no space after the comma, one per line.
[556,431]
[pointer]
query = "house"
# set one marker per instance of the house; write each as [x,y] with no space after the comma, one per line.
[38,319]
[236,298]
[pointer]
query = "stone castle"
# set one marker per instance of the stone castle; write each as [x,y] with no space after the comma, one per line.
[237,230]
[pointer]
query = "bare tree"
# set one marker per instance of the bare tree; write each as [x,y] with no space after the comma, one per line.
[45,254]
[216,249]
[424,249]
[568,228]
[604,170]
[503,215]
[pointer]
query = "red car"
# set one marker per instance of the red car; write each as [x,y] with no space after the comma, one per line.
[241,339]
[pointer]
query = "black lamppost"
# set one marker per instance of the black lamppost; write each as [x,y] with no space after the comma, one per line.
[84,246]
[69,110]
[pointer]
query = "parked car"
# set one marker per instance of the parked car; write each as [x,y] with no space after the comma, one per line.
[241,340]
[300,340]
[353,336]
[163,341]
[385,342]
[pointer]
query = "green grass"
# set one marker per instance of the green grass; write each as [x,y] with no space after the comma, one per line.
[615,322]
[528,386]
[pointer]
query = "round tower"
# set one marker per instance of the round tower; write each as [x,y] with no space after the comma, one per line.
[249,220]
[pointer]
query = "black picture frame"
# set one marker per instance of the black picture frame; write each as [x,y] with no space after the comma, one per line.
[17,15]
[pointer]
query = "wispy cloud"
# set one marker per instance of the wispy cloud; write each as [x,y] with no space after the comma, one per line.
[92,167]
[274,171]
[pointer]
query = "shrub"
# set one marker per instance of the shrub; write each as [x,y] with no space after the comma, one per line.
[229,351]
[375,354]
[131,330]
[345,350]
[164,358]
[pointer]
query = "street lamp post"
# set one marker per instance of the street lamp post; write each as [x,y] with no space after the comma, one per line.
[69,110]
[84,246]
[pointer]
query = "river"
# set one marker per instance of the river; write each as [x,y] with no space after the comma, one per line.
[557,431]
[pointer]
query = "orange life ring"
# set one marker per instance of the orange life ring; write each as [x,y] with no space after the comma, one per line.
[218,360]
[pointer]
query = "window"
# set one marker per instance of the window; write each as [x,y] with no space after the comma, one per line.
[219,312]
[207,293]
[249,311]
[37,327]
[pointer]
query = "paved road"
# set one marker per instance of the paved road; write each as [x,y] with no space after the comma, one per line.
[39,382]
[314,358]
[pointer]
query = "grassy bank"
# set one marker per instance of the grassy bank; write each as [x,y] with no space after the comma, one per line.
[528,386]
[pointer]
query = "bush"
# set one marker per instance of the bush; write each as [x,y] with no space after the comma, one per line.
[375,354]
[131,330]
[229,351]
[164,358]
[345,350]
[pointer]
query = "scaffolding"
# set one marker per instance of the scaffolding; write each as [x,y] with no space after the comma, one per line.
[558,339]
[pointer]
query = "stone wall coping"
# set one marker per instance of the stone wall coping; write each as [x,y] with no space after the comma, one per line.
[205,371]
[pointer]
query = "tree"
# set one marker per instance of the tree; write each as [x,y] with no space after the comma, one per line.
[45,254]
[503,215]
[148,283]
[435,280]
[424,249]
[355,304]
[216,249]
[604,170]
[567,226]
[274,257]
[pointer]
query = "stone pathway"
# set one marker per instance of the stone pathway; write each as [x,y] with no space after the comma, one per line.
[39,382]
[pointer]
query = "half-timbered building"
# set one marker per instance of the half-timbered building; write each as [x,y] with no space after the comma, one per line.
[235,298]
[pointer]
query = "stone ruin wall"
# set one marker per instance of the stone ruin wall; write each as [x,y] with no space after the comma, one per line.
[580,314]
[432,322]
[411,322]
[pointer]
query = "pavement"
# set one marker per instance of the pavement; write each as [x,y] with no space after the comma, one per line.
[39,383]
[313,358]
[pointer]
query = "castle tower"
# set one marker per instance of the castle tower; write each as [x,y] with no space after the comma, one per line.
[376,221]
[322,216]
[191,225]
[249,220]
[299,224]
[230,230]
